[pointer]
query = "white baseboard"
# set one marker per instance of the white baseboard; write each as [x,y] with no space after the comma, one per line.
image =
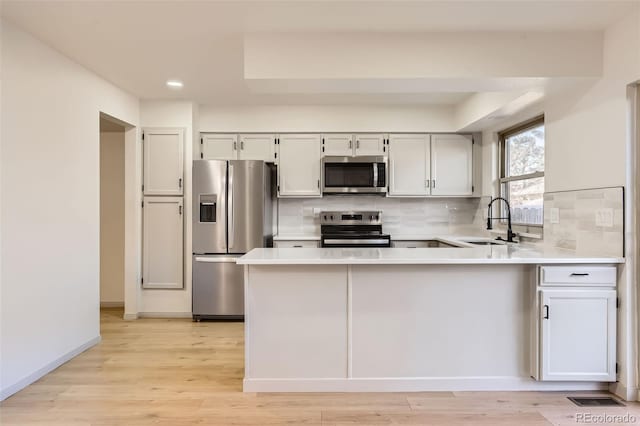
[427,384]
[165,314]
[129,317]
[112,304]
[622,391]
[49,367]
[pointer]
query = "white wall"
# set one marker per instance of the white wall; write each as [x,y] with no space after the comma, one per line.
[172,114]
[327,118]
[112,218]
[586,130]
[586,144]
[49,205]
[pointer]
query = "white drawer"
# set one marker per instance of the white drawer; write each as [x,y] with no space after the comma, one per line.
[578,275]
[296,244]
[414,244]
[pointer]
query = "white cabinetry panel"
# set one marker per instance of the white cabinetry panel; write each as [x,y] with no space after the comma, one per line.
[163,162]
[163,236]
[337,144]
[409,165]
[586,276]
[301,326]
[369,144]
[577,334]
[299,165]
[219,146]
[257,147]
[451,165]
[407,320]
[296,244]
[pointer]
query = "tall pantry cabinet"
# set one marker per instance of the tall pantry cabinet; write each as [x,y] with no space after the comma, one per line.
[163,208]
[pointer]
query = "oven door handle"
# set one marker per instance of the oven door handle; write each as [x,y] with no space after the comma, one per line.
[356,241]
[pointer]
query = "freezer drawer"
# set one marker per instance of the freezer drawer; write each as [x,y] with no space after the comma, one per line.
[218,287]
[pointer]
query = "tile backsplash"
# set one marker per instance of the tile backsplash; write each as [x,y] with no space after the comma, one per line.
[400,216]
[589,222]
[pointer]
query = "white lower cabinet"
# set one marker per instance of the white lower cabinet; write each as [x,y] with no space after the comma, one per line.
[576,332]
[296,244]
[163,241]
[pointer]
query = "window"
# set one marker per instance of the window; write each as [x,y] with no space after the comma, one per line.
[522,171]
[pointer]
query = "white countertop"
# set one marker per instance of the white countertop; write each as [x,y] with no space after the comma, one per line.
[414,237]
[483,255]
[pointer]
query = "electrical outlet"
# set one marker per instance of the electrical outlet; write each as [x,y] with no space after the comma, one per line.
[604,218]
[554,215]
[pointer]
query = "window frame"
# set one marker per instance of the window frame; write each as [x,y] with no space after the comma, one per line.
[503,178]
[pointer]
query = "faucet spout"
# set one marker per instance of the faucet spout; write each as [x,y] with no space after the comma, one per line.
[490,219]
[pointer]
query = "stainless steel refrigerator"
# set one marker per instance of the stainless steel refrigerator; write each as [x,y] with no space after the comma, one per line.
[232,214]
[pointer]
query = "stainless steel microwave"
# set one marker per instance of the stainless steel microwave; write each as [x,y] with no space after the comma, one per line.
[361,175]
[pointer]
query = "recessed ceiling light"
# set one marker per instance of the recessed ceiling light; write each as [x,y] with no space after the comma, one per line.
[175,84]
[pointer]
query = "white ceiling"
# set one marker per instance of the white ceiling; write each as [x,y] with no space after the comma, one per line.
[138,45]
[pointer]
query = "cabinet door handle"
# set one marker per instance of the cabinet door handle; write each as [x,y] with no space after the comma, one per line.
[433,183]
[318,183]
[357,144]
[427,183]
[235,145]
[546,312]
[579,274]
[242,145]
[179,182]
[350,144]
[180,210]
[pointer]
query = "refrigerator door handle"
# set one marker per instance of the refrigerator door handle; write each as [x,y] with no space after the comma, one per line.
[231,213]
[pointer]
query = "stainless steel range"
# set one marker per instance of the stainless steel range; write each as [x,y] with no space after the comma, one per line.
[352,229]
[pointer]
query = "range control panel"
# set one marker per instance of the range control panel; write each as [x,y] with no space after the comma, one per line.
[351,218]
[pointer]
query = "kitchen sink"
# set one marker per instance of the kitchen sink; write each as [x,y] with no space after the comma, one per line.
[483,242]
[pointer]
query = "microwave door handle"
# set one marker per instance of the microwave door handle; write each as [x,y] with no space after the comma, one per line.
[375,175]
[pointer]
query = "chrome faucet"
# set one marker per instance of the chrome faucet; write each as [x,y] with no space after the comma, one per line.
[510,233]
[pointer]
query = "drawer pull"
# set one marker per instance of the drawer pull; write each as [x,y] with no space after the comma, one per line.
[579,274]
[297,246]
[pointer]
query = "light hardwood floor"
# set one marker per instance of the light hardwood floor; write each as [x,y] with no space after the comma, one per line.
[176,372]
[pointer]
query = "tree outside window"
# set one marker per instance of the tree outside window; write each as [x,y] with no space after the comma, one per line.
[522,171]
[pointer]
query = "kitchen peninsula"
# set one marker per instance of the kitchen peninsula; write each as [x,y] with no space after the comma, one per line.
[495,317]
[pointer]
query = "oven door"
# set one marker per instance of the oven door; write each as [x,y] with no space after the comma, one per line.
[355,241]
[354,175]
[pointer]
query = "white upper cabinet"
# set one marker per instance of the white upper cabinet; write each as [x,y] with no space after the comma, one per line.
[250,146]
[451,165]
[578,334]
[215,146]
[257,147]
[370,144]
[409,165]
[299,165]
[162,247]
[337,144]
[163,162]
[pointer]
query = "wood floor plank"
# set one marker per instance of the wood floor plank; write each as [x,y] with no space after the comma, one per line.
[174,372]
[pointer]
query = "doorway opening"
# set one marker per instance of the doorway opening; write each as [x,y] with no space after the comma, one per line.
[112,214]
